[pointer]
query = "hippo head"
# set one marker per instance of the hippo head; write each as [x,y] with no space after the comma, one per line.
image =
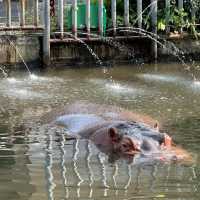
[123,144]
[128,138]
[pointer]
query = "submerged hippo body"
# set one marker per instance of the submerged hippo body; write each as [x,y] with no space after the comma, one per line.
[113,135]
[114,130]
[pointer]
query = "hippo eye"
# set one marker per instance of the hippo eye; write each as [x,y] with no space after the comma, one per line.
[124,145]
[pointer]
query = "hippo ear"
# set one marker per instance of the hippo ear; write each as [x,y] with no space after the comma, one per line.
[156,126]
[113,134]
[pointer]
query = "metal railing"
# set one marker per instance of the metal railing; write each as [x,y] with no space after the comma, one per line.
[44,13]
[19,9]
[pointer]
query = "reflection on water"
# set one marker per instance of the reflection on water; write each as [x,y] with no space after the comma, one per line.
[159,77]
[41,163]
[196,86]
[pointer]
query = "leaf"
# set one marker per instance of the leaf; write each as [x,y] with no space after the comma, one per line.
[161,25]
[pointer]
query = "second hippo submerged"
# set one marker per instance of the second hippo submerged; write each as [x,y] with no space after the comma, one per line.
[116,131]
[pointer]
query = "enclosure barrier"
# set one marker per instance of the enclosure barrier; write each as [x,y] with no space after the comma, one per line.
[153,6]
[60,6]
[7,6]
[46,38]
[88,17]
[74,17]
[61,16]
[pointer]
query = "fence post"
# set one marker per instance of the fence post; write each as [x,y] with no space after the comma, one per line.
[88,17]
[46,38]
[61,17]
[180,6]
[126,13]
[167,6]
[114,16]
[154,10]
[100,17]
[8,12]
[36,12]
[193,11]
[22,13]
[139,13]
[74,17]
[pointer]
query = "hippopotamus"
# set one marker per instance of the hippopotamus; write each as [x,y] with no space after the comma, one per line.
[115,130]
[116,136]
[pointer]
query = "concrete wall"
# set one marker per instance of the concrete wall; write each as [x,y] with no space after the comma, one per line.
[112,51]
[74,53]
[190,48]
[14,48]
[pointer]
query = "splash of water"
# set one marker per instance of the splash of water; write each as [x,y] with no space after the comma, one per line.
[94,55]
[117,87]
[3,71]
[12,80]
[20,55]
[160,41]
[145,9]
[33,77]
[197,83]
[112,42]
[163,43]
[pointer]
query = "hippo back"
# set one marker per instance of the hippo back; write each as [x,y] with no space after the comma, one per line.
[76,123]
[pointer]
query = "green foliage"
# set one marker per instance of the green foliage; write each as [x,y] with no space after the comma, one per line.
[177,19]
[161,24]
[173,17]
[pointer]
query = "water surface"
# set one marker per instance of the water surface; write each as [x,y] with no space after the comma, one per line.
[40,164]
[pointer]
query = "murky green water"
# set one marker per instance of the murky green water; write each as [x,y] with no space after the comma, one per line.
[38,165]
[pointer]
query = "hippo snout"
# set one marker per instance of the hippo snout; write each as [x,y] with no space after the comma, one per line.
[129,146]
